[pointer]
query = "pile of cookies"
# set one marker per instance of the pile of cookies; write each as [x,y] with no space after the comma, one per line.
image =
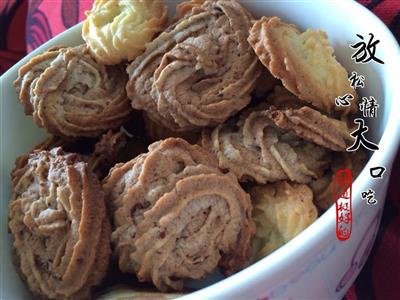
[246,138]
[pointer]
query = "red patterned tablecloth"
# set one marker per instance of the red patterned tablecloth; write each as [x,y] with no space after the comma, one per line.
[24,25]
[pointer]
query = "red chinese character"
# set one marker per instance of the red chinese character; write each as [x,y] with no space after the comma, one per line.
[343,230]
[343,205]
[342,195]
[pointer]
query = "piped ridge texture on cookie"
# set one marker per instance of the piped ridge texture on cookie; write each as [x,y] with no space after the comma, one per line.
[116,31]
[57,218]
[307,122]
[187,7]
[28,75]
[304,62]
[199,71]
[176,216]
[71,95]
[257,150]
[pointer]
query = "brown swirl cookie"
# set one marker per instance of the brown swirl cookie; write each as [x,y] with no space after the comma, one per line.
[28,75]
[58,221]
[100,154]
[257,150]
[71,95]
[313,126]
[176,216]
[306,122]
[199,71]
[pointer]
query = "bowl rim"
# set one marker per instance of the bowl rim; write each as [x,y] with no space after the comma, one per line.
[282,258]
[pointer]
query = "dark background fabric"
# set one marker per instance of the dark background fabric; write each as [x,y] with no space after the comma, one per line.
[25,25]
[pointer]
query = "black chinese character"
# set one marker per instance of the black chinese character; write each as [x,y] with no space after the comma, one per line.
[369,196]
[358,134]
[369,107]
[365,51]
[377,172]
[356,80]
[344,100]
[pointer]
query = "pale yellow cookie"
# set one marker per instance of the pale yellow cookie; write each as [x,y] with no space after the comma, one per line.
[281,211]
[119,30]
[304,62]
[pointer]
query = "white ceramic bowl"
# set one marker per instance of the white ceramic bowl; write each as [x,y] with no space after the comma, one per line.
[314,264]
